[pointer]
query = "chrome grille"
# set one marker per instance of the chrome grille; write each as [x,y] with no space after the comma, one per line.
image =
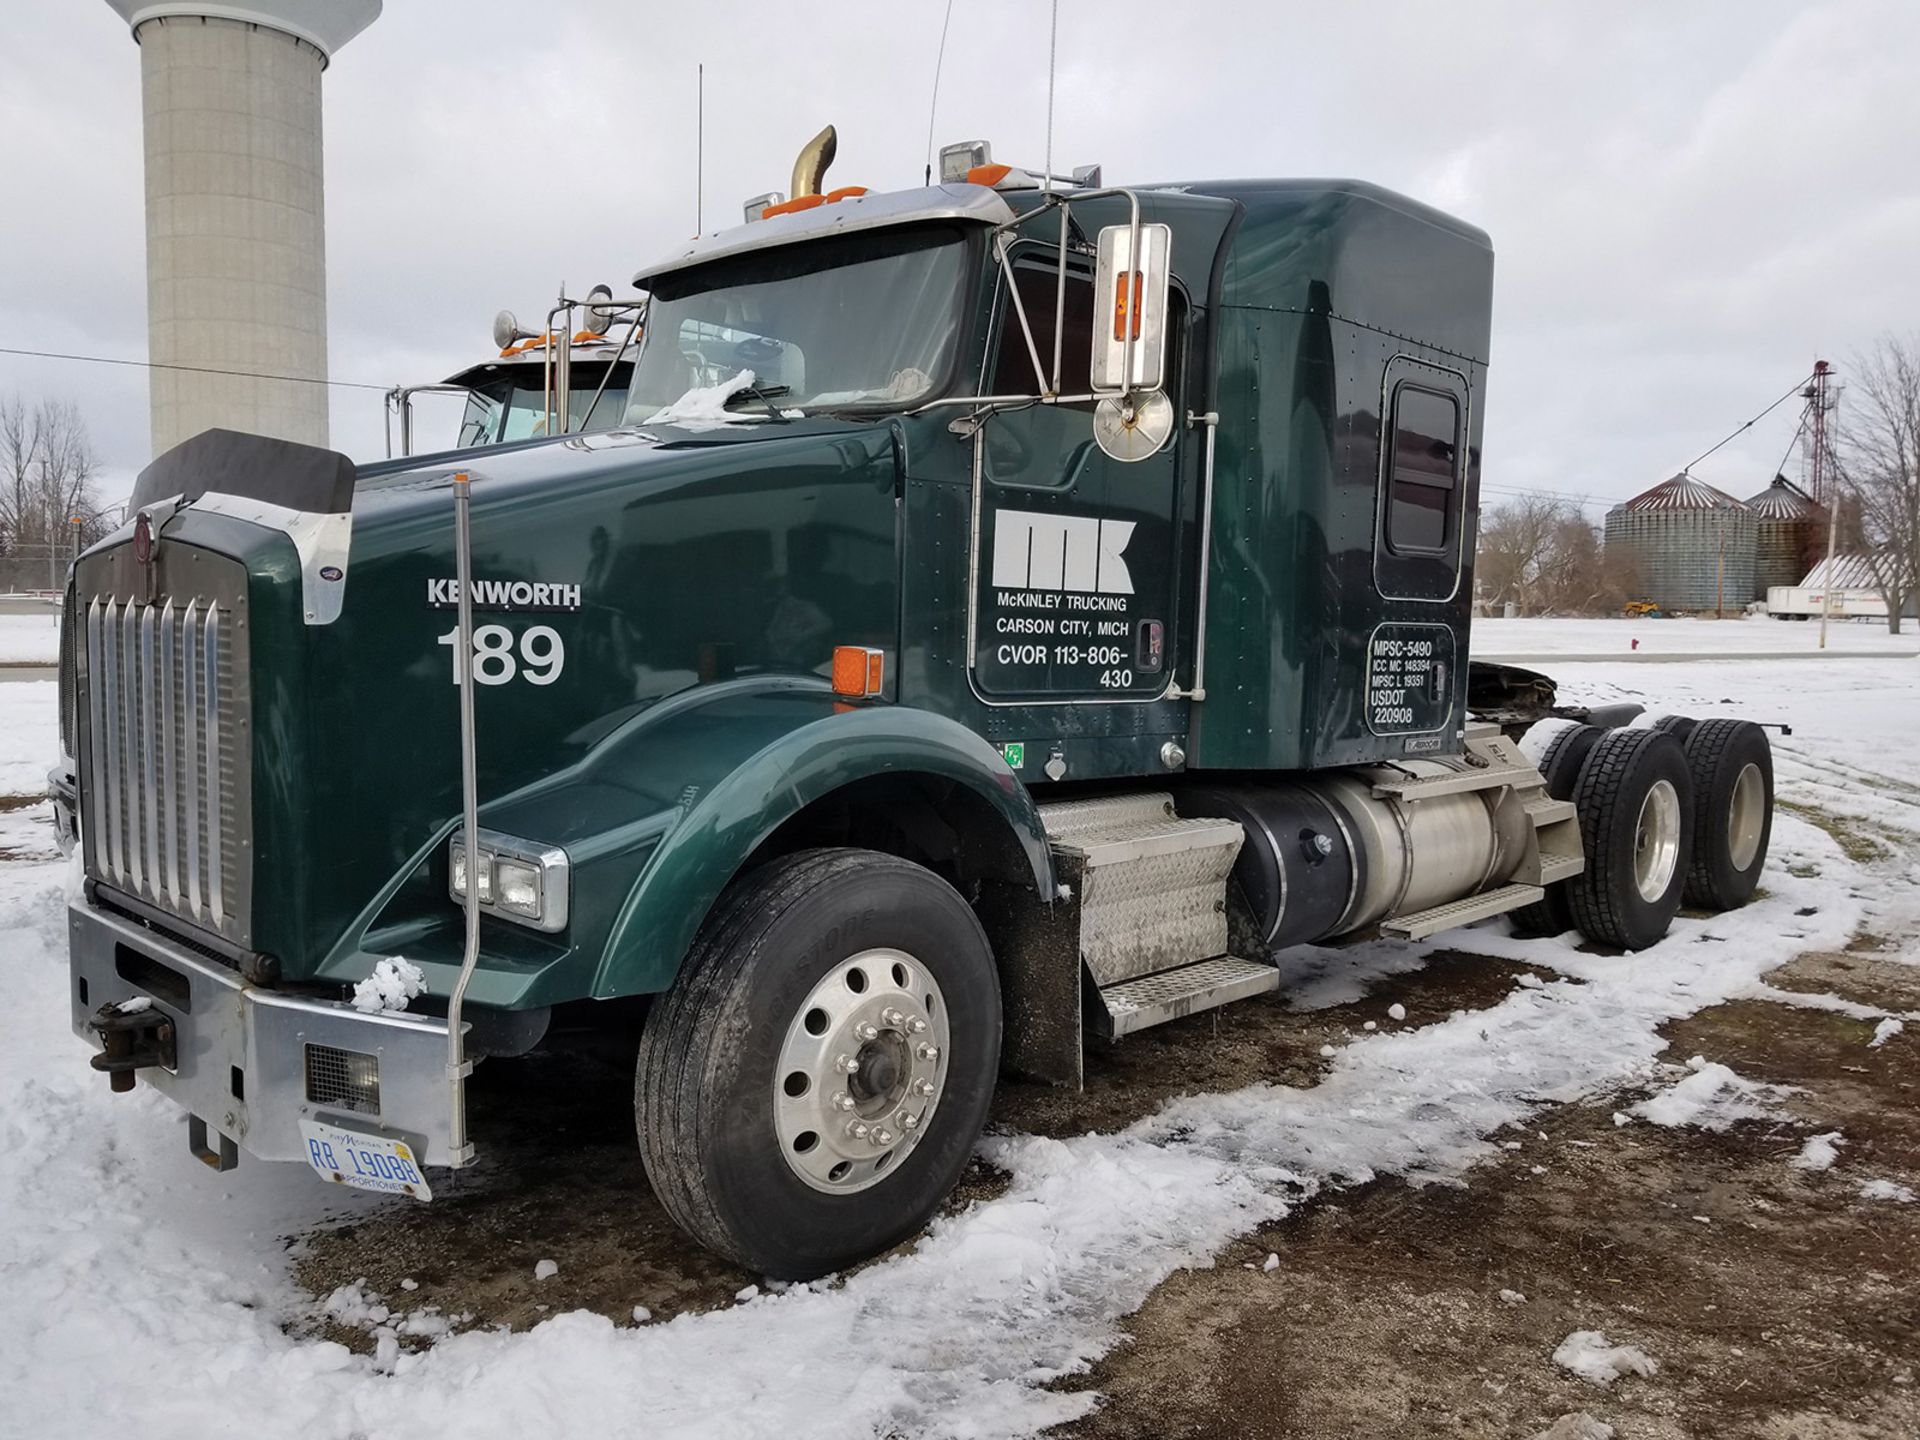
[164,776]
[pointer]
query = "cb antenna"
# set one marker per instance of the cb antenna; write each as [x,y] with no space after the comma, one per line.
[933,107]
[699,148]
[1053,46]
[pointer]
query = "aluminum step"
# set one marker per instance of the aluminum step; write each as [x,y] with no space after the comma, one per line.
[1151,887]
[1486,904]
[1071,819]
[1560,867]
[1454,782]
[1185,990]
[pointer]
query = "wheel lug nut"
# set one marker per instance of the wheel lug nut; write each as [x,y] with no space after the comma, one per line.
[843,1101]
[925,1087]
[893,1017]
[882,1137]
[928,1052]
[857,1129]
[910,1122]
[866,1032]
[846,1065]
[918,1027]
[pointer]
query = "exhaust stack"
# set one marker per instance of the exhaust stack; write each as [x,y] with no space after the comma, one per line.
[811,166]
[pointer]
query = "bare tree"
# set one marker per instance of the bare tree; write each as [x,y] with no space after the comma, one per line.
[1514,543]
[1543,554]
[48,470]
[1879,464]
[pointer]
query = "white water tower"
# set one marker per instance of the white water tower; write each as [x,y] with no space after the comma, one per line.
[236,220]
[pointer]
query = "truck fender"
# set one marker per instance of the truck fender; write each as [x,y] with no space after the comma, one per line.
[756,790]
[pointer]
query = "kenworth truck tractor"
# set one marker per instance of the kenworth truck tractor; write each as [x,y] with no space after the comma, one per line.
[1011,614]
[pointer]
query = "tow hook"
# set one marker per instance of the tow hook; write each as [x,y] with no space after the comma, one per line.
[133,1039]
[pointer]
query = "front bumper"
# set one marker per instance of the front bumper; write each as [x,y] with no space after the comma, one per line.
[249,1064]
[63,792]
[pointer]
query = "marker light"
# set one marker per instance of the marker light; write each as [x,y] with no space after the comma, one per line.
[858,670]
[1125,305]
[957,160]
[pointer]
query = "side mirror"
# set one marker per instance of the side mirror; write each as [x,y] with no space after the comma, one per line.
[599,311]
[1130,315]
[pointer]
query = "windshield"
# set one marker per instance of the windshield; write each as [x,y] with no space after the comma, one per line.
[510,409]
[868,320]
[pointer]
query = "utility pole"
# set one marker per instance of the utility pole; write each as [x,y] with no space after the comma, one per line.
[1816,394]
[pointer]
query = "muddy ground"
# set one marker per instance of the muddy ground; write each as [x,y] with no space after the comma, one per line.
[1777,1301]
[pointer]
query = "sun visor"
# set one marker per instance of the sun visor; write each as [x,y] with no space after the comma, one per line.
[252,467]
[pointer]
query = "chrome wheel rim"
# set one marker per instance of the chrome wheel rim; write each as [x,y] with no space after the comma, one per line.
[1656,840]
[1746,817]
[861,1071]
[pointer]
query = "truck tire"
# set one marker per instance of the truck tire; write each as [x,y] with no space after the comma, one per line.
[1731,763]
[1635,800]
[1560,765]
[1678,726]
[810,1088]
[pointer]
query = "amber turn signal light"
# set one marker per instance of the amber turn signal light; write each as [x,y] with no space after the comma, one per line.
[858,670]
[1126,304]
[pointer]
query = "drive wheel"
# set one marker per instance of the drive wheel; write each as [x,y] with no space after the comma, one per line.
[1732,766]
[1635,801]
[810,1088]
[1678,726]
[1560,765]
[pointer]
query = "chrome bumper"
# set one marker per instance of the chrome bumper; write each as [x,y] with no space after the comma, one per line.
[249,1064]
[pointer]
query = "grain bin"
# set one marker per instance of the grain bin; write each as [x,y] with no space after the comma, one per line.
[1692,545]
[1790,534]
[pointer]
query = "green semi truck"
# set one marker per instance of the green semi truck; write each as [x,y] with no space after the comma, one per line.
[1010,613]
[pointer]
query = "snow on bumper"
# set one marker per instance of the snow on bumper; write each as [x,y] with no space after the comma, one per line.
[249,1064]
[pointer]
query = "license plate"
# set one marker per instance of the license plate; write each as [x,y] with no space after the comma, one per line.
[366,1162]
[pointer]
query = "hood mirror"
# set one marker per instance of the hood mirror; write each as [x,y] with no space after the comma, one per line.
[598,318]
[506,330]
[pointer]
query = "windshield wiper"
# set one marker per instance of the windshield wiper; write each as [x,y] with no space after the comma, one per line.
[764,394]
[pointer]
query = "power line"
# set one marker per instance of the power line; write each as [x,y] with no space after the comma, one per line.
[193,369]
[1798,385]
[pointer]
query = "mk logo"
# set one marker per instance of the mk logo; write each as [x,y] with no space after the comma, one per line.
[1061,552]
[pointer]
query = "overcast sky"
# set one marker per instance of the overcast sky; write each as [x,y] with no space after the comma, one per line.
[1688,202]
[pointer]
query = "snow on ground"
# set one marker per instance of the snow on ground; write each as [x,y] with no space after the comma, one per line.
[29,735]
[30,639]
[1819,1152]
[1587,1354]
[1712,1097]
[142,1292]
[1887,1190]
[1521,640]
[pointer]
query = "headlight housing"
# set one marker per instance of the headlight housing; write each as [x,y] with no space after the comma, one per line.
[518,880]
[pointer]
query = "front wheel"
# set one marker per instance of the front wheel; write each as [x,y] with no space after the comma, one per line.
[810,1088]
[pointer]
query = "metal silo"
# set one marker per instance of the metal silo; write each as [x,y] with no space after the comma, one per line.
[1693,545]
[1790,535]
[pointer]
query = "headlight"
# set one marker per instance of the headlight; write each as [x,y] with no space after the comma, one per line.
[518,880]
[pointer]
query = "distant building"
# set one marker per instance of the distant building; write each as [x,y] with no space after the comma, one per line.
[1691,545]
[1790,534]
[1844,588]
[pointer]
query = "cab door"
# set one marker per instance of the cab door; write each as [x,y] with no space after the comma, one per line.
[1075,555]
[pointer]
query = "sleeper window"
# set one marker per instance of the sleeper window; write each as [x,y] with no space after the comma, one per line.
[1425,474]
